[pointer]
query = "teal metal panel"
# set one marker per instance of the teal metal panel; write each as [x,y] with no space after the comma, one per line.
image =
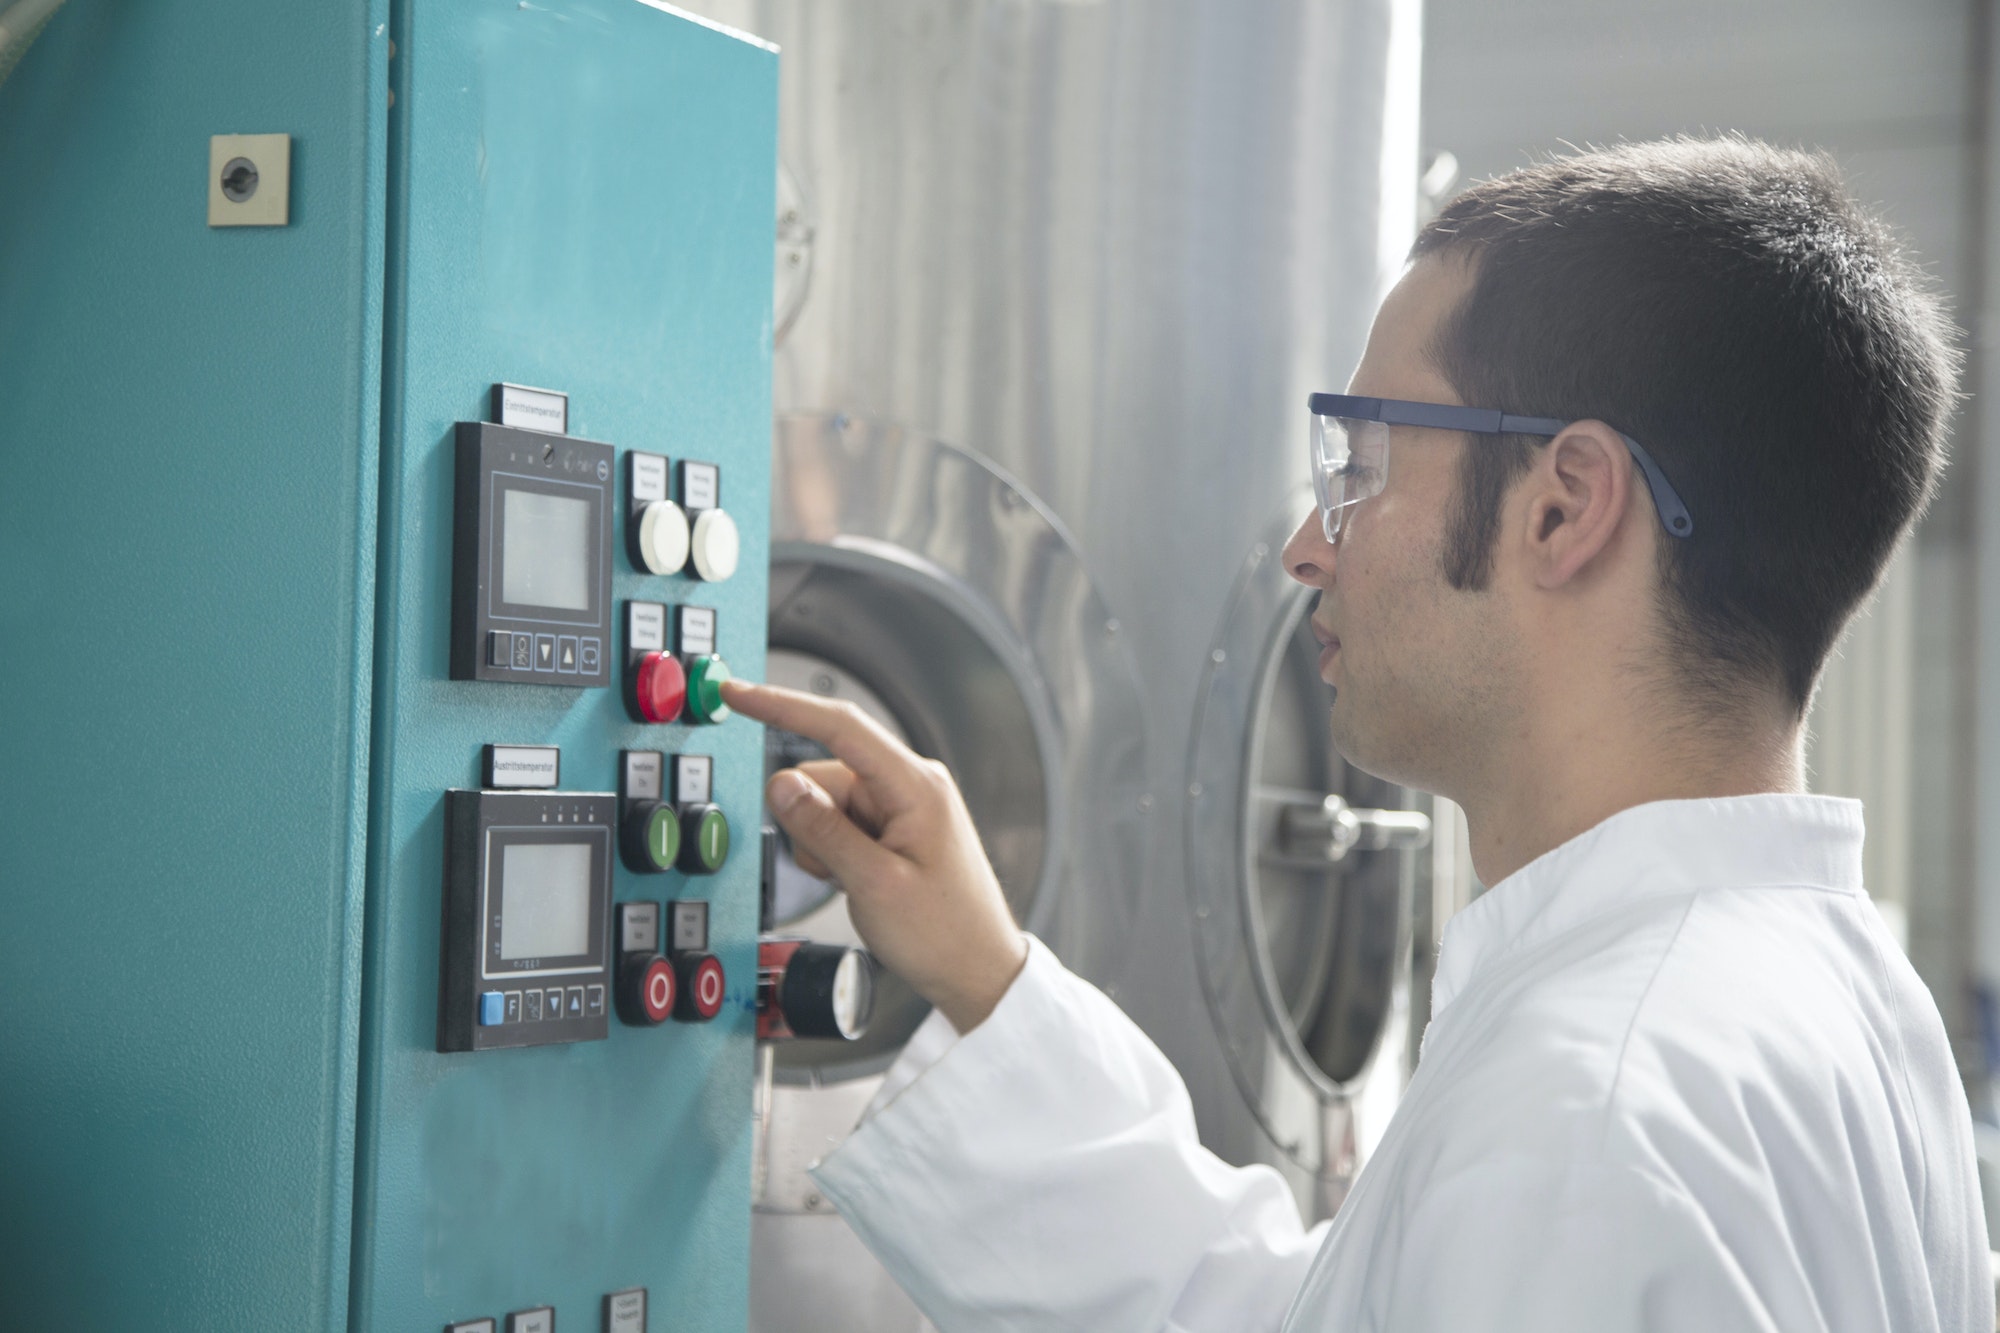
[583,199]
[187,529]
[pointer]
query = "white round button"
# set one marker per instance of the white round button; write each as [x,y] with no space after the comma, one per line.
[717,546]
[663,537]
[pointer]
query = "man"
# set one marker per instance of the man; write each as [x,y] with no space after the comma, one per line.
[1678,1076]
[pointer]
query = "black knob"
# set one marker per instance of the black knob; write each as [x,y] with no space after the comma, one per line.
[828,991]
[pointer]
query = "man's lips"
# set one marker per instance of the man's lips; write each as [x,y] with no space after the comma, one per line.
[1329,648]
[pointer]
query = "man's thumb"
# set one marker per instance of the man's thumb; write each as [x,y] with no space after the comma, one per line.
[822,829]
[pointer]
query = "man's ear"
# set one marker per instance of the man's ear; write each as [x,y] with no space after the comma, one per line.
[1577,494]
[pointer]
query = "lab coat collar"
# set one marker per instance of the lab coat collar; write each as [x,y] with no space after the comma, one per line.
[1660,849]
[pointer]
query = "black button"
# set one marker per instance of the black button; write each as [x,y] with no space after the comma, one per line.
[513,1006]
[586,656]
[566,654]
[593,1002]
[524,651]
[531,1006]
[499,648]
[553,1008]
[574,1009]
[545,652]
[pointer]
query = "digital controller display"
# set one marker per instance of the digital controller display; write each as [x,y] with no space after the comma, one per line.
[544,900]
[531,557]
[545,553]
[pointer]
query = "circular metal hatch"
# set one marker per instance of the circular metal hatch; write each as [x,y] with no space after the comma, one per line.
[1302,942]
[924,584]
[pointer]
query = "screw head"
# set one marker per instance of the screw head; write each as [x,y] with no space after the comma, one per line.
[239,179]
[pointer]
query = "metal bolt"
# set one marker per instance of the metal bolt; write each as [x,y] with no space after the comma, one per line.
[239,179]
[1111,626]
[813,1201]
[1218,657]
[1194,789]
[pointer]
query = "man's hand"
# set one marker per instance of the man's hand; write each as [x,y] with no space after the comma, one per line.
[891,828]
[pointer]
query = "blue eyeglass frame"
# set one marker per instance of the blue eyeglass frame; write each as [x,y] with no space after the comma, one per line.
[1674,516]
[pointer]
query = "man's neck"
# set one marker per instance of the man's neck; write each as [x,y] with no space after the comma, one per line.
[1563,780]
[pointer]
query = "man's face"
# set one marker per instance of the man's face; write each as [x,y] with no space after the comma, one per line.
[1419,669]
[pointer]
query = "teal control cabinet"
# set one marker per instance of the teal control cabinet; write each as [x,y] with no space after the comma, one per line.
[285,683]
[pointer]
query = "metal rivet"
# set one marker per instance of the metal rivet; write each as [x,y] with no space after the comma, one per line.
[1146,801]
[1194,789]
[1218,657]
[1111,626]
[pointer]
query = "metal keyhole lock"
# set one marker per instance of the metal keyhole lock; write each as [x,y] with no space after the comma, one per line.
[239,179]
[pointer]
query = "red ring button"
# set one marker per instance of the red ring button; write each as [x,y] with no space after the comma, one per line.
[662,687]
[702,988]
[658,995]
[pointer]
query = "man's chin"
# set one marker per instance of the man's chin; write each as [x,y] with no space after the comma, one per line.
[1375,755]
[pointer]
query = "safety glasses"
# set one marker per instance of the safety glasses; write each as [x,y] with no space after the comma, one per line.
[1350,450]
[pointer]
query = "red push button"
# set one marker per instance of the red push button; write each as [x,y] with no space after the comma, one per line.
[647,989]
[659,994]
[662,687]
[702,985]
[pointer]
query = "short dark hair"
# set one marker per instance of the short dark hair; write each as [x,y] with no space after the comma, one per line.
[1727,304]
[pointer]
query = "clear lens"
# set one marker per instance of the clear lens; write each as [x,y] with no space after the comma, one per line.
[1350,462]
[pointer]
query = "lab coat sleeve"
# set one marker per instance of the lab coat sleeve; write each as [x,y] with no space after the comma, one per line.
[1043,1172]
[1573,1246]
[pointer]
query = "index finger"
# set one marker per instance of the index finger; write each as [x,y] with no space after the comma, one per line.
[881,761]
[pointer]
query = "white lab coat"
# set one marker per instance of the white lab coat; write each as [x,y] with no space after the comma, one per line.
[1678,1077]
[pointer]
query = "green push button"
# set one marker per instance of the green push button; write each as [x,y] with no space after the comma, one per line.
[704,696]
[651,838]
[704,839]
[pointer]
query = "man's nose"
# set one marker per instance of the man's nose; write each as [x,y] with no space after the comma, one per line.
[1309,556]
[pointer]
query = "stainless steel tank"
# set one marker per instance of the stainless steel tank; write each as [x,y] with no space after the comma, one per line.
[1054,281]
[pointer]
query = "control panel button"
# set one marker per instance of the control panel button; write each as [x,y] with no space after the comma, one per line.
[513,1006]
[541,1319]
[647,989]
[552,1004]
[500,649]
[524,651]
[650,837]
[593,1001]
[664,538]
[715,545]
[531,1007]
[701,985]
[705,676]
[492,1009]
[573,1002]
[704,839]
[662,688]
[589,656]
[566,654]
[545,652]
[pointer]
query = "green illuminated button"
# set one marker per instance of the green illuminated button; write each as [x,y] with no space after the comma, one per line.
[704,698]
[650,837]
[704,839]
